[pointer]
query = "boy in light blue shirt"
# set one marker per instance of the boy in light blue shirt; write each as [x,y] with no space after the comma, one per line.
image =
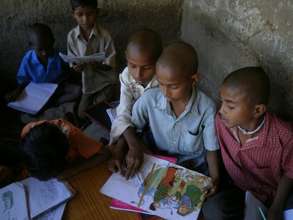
[181,120]
[180,116]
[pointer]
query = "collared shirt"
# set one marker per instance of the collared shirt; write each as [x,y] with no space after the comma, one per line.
[93,79]
[189,135]
[80,145]
[32,70]
[129,93]
[258,165]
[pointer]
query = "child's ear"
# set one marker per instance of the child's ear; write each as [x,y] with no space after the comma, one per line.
[195,78]
[259,110]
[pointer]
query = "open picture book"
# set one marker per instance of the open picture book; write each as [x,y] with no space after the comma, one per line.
[161,188]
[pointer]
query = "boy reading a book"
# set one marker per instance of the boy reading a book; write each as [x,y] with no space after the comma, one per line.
[42,64]
[143,50]
[256,146]
[48,146]
[179,115]
[98,79]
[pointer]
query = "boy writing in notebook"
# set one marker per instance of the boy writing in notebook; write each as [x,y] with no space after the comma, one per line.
[143,49]
[256,146]
[88,38]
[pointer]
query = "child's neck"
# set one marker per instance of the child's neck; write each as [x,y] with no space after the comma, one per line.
[86,33]
[250,131]
[179,106]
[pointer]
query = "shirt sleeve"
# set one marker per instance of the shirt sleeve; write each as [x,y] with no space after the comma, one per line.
[70,47]
[209,131]
[287,163]
[140,113]
[83,145]
[123,120]
[110,52]
[22,76]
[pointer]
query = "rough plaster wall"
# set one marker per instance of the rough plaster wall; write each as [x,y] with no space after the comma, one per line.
[230,34]
[120,17]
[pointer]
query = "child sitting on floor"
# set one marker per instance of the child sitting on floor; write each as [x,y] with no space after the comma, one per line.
[48,146]
[256,146]
[143,50]
[42,64]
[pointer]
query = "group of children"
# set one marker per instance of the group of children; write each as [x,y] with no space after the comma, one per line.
[163,111]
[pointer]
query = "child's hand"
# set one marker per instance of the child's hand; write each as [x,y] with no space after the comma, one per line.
[78,67]
[12,96]
[275,213]
[214,189]
[134,161]
[6,175]
[118,152]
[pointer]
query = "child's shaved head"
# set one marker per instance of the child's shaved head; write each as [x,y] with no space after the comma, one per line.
[252,81]
[180,57]
[147,42]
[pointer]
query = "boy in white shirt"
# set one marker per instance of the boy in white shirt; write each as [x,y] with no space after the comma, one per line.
[142,52]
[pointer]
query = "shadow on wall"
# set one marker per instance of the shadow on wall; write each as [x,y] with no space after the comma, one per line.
[231,34]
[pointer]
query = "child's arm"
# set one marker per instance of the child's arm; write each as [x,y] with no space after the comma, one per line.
[71,51]
[213,164]
[284,189]
[12,96]
[139,119]
[134,156]
[118,152]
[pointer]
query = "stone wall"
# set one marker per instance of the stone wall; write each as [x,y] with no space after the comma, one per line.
[121,17]
[230,34]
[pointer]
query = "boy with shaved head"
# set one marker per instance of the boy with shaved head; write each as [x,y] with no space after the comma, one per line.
[181,117]
[256,146]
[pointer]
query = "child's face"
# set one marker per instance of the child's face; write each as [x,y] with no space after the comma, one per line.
[236,109]
[175,86]
[43,48]
[141,66]
[85,17]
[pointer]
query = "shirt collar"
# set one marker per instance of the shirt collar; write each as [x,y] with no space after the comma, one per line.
[95,32]
[151,84]
[192,106]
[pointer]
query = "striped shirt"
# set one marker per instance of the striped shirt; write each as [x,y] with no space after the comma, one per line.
[259,164]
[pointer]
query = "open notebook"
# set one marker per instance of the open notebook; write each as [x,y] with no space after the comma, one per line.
[34,199]
[33,97]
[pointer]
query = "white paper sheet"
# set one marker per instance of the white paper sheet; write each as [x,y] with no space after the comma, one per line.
[112,113]
[54,214]
[96,57]
[13,203]
[33,97]
[172,184]
[45,195]
[288,214]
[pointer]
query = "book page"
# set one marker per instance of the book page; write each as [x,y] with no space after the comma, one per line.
[161,188]
[13,204]
[33,97]
[54,214]
[44,195]
[96,57]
